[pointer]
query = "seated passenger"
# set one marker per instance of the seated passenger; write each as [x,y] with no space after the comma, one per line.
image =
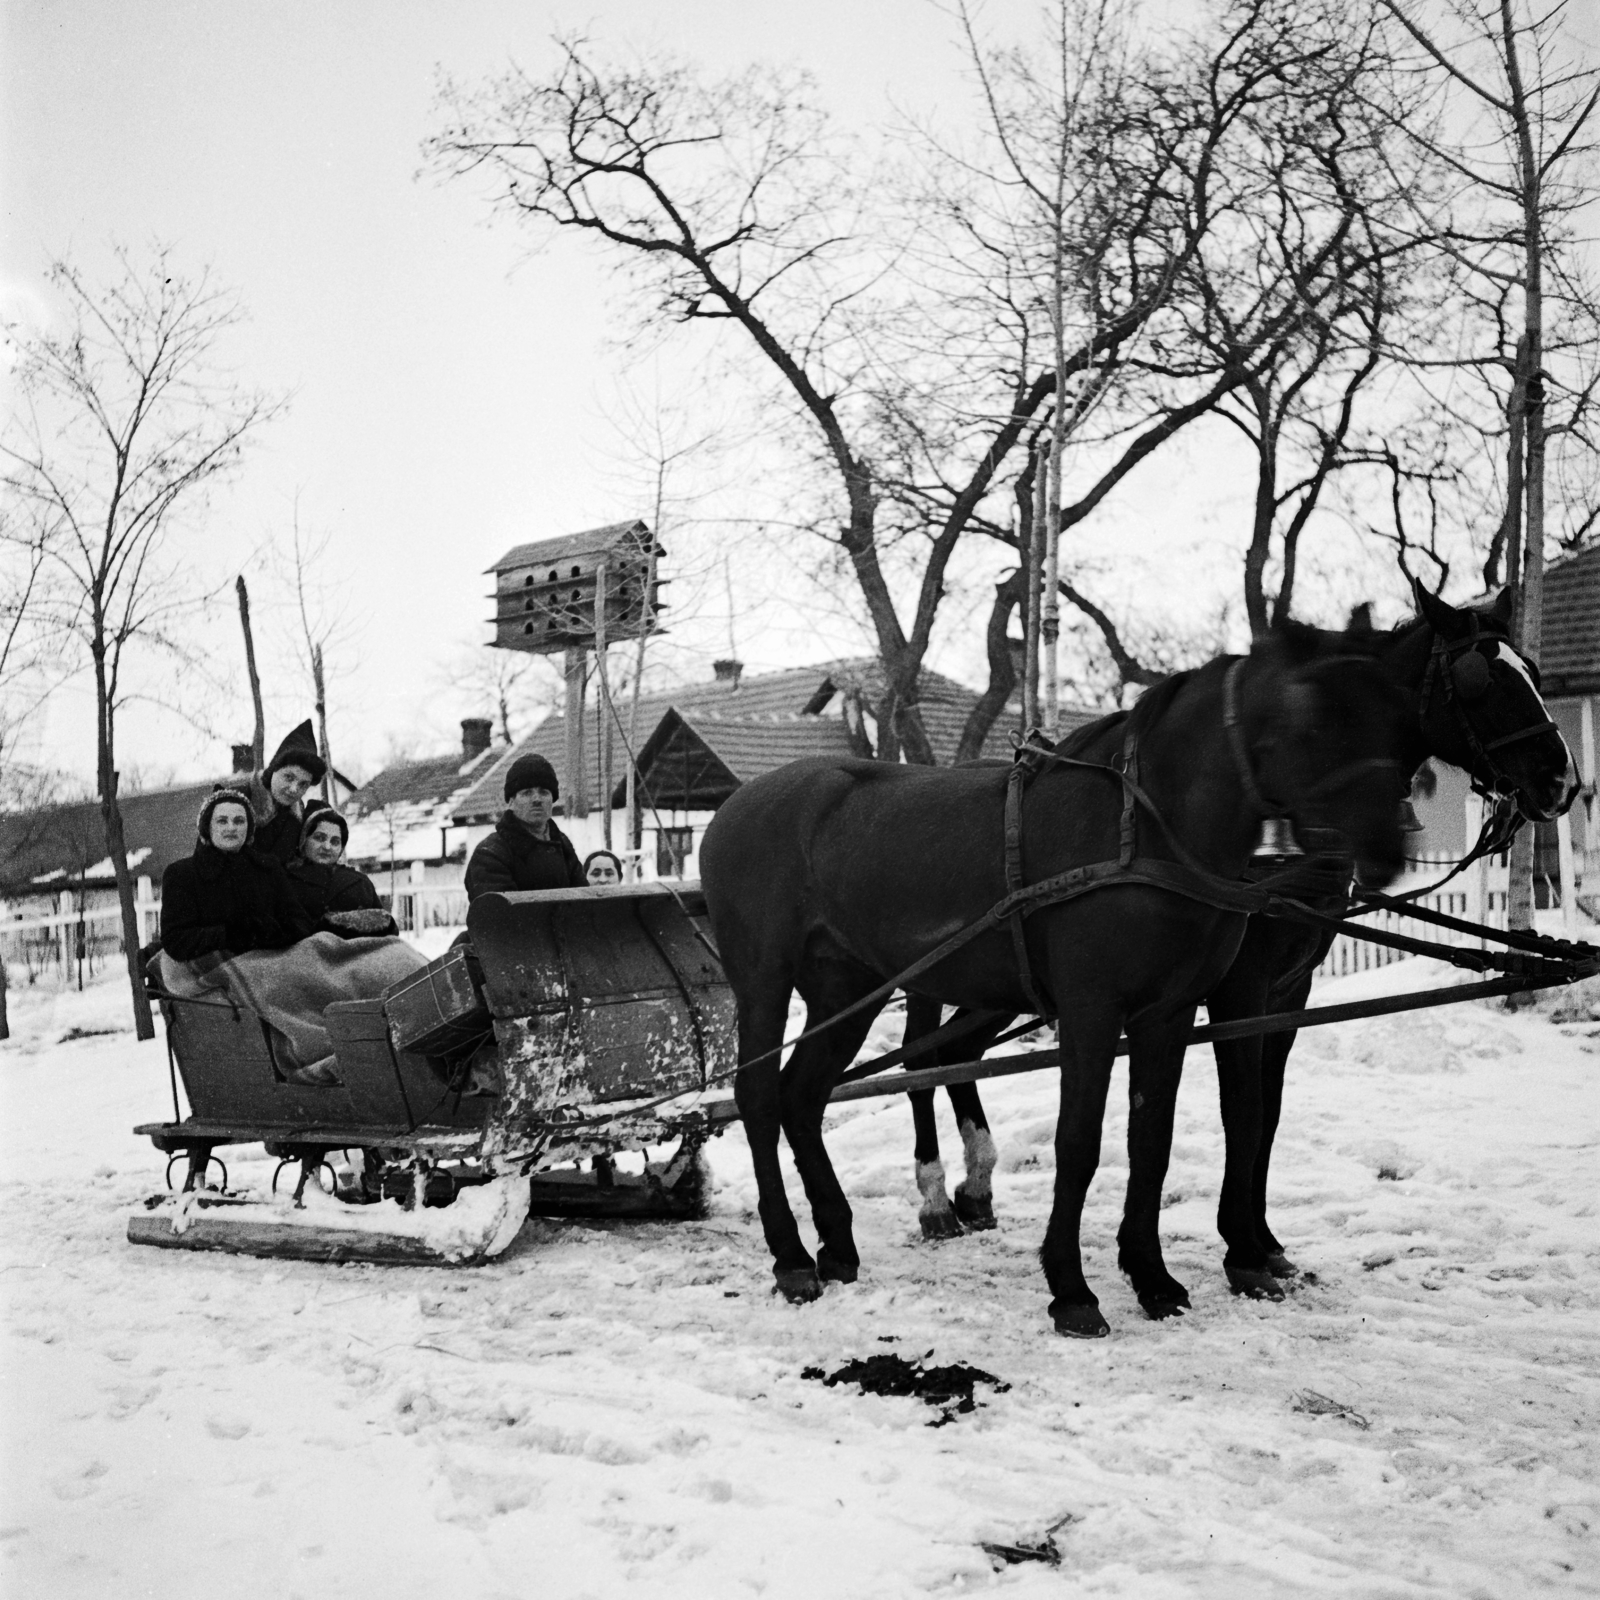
[336,898]
[227,897]
[601,866]
[276,791]
[526,850]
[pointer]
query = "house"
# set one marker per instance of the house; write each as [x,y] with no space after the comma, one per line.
[403,833]
[693,745]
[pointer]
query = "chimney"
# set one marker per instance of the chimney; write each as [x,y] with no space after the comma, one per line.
[244,759]
[728,672]
[474,737]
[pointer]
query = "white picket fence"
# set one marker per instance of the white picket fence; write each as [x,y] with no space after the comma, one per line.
[1476,895]
[57,941]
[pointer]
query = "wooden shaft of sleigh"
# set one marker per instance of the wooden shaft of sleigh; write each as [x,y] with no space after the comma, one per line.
[1317,1016]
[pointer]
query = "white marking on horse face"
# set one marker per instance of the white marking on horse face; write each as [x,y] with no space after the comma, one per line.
[1517,665]
[1513,660]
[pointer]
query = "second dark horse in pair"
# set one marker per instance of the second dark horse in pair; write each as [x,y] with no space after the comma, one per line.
[831,876]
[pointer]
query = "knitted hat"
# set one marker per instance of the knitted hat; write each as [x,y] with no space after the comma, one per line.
[320,811]
[531,772]
[215,799]
[299,749]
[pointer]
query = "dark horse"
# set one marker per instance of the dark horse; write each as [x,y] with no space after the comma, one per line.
[835,876]
[1484,716]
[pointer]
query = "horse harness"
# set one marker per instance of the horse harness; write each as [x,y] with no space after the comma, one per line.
[1454,670]
[1186,876]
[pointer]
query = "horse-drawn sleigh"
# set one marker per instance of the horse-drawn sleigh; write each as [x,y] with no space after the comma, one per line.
[1111,885]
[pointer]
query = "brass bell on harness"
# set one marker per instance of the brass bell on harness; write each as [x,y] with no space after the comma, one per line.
[1277,840]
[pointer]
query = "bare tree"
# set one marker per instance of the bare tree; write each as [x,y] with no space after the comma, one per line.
[730,206]
[125,420]
[1502,68]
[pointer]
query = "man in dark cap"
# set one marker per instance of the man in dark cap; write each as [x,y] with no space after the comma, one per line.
[526,850]
[276,791]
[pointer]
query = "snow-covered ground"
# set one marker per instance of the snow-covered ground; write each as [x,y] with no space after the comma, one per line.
[619,1410]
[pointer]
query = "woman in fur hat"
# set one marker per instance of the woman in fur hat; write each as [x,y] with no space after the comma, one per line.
[336,898]
[277,790]
[227,897]
[526,850]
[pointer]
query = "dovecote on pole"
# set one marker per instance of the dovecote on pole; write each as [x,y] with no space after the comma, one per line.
[575,594]
[545,592]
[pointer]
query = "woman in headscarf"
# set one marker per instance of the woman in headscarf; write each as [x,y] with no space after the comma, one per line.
[227,897]
[336,898]
[277,790]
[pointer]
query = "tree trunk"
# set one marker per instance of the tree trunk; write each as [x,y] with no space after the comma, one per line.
[1256,557]
[258,741]
[1033,565]
[116,847]
[1530,611]
[329,792]
[5,1019]
[1002,670]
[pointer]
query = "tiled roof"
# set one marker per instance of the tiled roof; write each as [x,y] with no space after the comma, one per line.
[767,698]
[590,542]
[1569,660]
[417,783]
[696,764]
[64,840]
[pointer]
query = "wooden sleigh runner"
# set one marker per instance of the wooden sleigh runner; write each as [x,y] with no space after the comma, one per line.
[502,1079]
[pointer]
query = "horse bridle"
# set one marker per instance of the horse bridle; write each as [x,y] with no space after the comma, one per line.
[1245,769]
[1450,670]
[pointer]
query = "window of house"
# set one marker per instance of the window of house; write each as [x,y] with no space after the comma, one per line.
[673,848]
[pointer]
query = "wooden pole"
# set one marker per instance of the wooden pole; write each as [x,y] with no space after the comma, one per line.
[258,742]
[577,800]
[603,708]
[322,726]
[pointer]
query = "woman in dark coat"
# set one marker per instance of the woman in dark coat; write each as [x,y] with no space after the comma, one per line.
[275,793]
[227,897]
[336,898]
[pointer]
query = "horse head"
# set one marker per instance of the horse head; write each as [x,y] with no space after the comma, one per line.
[1482,710]
[1332,747]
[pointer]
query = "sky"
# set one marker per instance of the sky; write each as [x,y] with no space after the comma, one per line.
[449,389]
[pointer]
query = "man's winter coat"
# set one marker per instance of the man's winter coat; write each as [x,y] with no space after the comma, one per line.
[325,894]
[238,901]
[513,857]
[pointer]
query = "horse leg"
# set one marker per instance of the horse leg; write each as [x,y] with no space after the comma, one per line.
[1240,1092]
[937,1216]
[810,1076]
[1243,992]
[1275,1048]
[1155,1068]
[975,1192]
[1088,1045]
[756,1092]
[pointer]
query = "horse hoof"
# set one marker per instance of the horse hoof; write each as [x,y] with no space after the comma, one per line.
[1280,1266]
[1254,1283]
[831,1270]
[940,1225]
[977,1211]
[797,1285]
[1160,1309]
[1079,1322]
